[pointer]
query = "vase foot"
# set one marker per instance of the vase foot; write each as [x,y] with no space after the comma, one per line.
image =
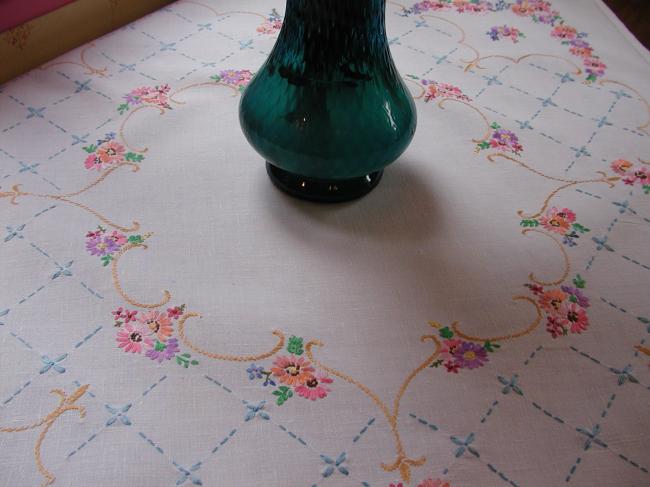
[322,190]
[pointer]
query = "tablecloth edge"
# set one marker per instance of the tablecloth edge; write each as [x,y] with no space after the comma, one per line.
[620,26]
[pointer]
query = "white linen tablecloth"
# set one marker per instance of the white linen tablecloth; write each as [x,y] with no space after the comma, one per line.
[481,319]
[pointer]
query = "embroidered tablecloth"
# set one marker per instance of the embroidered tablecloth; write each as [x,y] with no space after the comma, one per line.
[481,319]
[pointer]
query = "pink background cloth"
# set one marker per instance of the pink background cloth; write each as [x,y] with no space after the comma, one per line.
[16,12]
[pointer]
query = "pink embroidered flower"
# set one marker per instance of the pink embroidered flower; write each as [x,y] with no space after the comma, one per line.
[292,370]
[564,31]
[152,95]
[110,152]
[594,67]
[573,317]
[134,338]
[130,316]
[174,312]
[558,221]
[621,166]
[505,32]
[552,300]
[641,176]
[435,90]
[94,162]
[119,238]
[463,6]
[272,24]
[159,323]
[526,8]
[554,327]
[314,387]
[118,313]
[449,348]
[433,483]
[399,484]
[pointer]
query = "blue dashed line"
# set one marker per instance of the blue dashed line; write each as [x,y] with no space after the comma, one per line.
[150,441]
[431,426]
[489,411]
[154,385]
[20,389]
[292,435]
[214,381]
[532,355]
[363,430]
[88,337]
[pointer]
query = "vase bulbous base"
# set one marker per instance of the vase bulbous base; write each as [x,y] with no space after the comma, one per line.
[322,190]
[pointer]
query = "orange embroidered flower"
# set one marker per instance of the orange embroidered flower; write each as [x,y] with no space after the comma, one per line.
[292,370]
[552,300]
[110,152]
[558,221]
[159,323]
[621,166]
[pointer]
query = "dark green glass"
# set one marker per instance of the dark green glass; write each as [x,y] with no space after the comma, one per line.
[328,109]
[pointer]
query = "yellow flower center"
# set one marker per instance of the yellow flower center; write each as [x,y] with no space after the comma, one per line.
[469,355]
[292,369]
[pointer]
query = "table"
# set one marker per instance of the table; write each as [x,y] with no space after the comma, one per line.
[167,317]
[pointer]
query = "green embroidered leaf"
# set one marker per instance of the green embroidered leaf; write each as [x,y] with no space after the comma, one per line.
[646,188]
[412,76]
[495,125]
[580,228]
[295,345]
[579,282]
[194,362]
[446,332]
[491,347]
[186,355]
[573,299]
[123,108]
[216,77]
[159,346]
[101,229]
[119,323]
[133,157]
[136,239]
[529,223]
[106,259]
[484,145]
[436,364]
[591,77]
[90,148]
[283,393]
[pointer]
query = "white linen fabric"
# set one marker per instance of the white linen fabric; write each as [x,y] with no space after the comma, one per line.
[481,319]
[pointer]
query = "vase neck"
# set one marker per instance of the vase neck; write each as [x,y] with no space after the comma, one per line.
[336,38]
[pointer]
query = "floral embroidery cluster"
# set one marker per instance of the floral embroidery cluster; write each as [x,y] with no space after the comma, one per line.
[457,354]
[460,6]
[502,140]
[108,151]
[565,307]
[104,245]
[632,175]
[238,79]
[146,95]
[539,11]
[560,221]
[152,333]
[294,373]
[272,24]
[435,90]
[497,33]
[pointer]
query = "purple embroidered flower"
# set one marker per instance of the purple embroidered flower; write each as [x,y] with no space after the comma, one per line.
[101,246]
[470,355]
[163,351]
[579,297]
[255,372]
[503,139]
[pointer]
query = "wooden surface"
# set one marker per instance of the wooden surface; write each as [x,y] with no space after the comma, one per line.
[635,14]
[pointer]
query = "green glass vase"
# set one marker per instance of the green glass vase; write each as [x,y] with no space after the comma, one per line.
[328,109]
